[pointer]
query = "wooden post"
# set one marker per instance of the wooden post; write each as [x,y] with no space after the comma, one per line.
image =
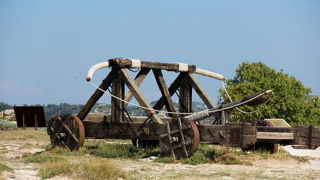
[185,98]
[201,92]
[139,96]
[96,95]
[35,122]
[23,121]
[117,105]
[138,80]
[164,91]
[172,89]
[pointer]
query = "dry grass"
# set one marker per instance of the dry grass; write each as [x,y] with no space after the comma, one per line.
[100,159]
[79,165]
[88,168]
[26,134]
[3,167]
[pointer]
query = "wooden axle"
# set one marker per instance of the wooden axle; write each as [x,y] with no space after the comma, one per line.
[232,134]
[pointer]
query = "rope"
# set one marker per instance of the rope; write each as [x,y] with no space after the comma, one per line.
[180,113]
[137,105]
[244,112]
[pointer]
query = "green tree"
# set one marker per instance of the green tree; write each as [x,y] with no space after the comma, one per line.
[291,99]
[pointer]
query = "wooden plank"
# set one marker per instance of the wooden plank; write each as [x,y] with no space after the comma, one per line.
[275,135]
[96,95]
[107,118]
[103,129]
[138,80]
[172,89]
[126,63]
[235,135]
[164,91]
[139,96]
[185,98]
[116,105]
[274,129]
[201,92]
[307,135]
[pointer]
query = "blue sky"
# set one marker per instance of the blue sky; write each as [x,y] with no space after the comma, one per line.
[46,47]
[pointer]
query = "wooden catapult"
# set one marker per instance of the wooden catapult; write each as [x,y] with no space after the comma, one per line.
[178,131]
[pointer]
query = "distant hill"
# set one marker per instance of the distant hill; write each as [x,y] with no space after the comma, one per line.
[65,108]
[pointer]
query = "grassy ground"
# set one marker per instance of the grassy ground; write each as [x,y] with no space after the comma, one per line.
[95,159]
[7,125]
[112,159]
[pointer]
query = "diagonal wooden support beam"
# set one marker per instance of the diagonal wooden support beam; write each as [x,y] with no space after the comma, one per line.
[201,92]
[139,96]
[97,95]
[172,89]
[164,91]
[142,74]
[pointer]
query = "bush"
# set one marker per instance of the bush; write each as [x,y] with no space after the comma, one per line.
[291,99]
[6,125]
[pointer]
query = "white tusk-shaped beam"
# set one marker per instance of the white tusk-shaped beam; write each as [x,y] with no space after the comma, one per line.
[94,68]
[210,74]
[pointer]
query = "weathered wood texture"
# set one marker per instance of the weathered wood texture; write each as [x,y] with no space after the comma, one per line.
[107,118]
[126,63]
[185,94]
[240,135]
[142,74]
[117,106]
[164,91]
[172,89]
[139,96]
[96,95]
[104,129]
[308,136]
[201,92]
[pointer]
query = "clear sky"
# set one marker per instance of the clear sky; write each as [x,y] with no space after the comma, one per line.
[46,47]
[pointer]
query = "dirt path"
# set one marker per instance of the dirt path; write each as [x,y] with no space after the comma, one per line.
[265,169]
[11,151]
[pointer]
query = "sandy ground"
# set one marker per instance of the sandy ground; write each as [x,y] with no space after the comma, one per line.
[12,151]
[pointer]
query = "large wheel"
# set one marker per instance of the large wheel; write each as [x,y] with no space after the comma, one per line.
[66,131]
[183,144]
[271,147]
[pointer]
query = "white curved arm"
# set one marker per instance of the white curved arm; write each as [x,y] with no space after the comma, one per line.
[210,74]
[94,68]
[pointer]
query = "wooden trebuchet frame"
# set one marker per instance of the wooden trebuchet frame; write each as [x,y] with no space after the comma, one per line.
[178,131]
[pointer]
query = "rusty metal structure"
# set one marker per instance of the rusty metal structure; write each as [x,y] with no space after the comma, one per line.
[180,131]
[29,116]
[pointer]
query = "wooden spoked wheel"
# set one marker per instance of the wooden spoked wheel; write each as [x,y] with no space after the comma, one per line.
[180,139]
[66,131]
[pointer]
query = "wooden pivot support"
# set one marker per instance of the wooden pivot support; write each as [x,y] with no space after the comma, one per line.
[180,138]
[268,146]
[66,131]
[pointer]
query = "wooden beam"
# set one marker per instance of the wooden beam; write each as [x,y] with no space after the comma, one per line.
[139,96]
[96,95]
[116,105]
[103,130]
[127,63]
[275,135]
[164,91]
[185,98]
[172,89]
[138,80]
[201,92]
